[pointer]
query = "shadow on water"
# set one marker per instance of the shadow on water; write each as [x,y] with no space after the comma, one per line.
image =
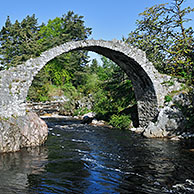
[86,159]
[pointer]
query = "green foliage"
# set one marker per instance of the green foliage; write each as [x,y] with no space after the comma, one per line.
[18,41]
[120,121]
[71,91]
[43,98]
[94,66]
[66,68]
[23,40]
[63,29]
[103,106]
[68,107]
[58,31]
[80,111]
[57,73]
[90,83]
[167,98]
[39,88]
[162,34]
[109,71]
[69,27]
[115,91]
[68,74]
[169,83]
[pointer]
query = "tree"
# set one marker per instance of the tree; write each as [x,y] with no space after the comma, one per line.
[69,27]
[114,91]
[65,68]
[94,66]
[162,34]
[23,40]
[18,41]
[5,39]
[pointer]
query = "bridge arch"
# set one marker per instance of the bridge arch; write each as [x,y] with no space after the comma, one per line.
[15,82]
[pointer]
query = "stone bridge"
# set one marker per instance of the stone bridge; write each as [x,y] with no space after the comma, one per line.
[147,82]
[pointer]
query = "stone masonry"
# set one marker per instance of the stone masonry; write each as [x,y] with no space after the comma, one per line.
[149,86]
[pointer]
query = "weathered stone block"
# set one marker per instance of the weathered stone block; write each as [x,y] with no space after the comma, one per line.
[10,137]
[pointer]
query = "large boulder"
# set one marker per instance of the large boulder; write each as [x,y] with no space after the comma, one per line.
[173,119]
[170,122]
[10,136]
[33,130]
[24,131]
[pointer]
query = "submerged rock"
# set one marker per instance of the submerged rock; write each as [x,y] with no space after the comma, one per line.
[24,131]
[88,117]
[87,120]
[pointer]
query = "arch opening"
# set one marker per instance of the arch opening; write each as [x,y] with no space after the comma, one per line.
[143,86]
[113,86]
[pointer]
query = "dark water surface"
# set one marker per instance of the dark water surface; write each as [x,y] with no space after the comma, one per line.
[87,159]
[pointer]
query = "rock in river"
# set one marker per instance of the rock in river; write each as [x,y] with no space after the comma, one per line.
[169,123]
[23,131]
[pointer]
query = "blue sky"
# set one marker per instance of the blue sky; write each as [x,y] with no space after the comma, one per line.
[108,19]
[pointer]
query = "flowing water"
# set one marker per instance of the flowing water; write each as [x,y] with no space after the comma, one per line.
[86,159]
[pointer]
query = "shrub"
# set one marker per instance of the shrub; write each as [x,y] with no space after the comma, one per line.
[120,121]
[54,90]
[80,111]
[103,105]
[71,92]
[43,98]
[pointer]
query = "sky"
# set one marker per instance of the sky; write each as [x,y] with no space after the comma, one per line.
[109,19]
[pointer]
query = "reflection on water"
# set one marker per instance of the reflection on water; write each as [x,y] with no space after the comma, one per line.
[86,159]
[16,167]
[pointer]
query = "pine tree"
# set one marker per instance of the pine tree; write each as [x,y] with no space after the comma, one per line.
[6,41]
[69,27]
[18,41]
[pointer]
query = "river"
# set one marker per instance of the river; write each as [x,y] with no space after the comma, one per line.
[88,159]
